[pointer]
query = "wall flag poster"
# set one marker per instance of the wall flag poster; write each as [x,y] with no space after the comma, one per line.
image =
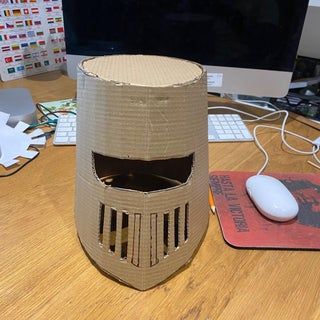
[31,38]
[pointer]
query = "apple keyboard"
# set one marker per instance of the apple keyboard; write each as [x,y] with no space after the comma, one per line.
[227,128]
[65,133]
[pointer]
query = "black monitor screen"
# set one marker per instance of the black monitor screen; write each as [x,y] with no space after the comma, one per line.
[258,34]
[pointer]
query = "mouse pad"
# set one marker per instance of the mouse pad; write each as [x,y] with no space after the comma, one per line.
[243,226]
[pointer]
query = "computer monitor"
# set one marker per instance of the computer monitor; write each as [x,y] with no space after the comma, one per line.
[247,46]
[309,43]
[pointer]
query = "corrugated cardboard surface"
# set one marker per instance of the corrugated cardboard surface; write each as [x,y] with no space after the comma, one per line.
[149,108]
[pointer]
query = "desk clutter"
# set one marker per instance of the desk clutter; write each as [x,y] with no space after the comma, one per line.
[243,226]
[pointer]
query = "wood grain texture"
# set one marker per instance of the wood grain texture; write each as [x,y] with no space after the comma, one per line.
[44,273]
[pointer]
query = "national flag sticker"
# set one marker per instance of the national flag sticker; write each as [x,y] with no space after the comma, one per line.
[11,70]
[35,10]
[16,12]
[18,58]
[15,46]
[8,60]
[19,23]
[33,44]
[31,34]
[5,48]
[20,68]
[29,66]
[28,23]
[9,25]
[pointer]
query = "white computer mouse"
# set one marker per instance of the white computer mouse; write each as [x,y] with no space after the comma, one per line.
[272,198]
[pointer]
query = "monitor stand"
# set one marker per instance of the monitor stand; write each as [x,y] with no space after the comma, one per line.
[256,102]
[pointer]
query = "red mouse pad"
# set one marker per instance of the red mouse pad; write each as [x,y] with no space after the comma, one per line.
[243,226]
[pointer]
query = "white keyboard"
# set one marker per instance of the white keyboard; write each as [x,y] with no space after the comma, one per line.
[227,127]
[65,133]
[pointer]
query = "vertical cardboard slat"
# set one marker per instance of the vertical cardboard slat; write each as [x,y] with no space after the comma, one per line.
[101,223]
[181,225]
[186,222]
[171,232]
[118,234]
[106,228]
[160,237]
[176,227]
[145,241]
[130,237]
[112,229]
[153,239]
[136,239]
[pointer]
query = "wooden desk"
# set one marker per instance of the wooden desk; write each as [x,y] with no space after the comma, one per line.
[44,273]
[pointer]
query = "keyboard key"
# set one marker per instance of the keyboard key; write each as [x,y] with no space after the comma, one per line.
[246,134]
[61,139]
[61,134]
[226,136]
[64,124]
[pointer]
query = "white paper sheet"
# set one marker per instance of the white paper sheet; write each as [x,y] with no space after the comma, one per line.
[14,142]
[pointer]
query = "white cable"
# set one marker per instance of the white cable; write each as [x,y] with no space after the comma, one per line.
[256,118]
[315,154]
[314,151]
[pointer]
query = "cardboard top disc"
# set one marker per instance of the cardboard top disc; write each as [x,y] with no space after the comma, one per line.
[143,70]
